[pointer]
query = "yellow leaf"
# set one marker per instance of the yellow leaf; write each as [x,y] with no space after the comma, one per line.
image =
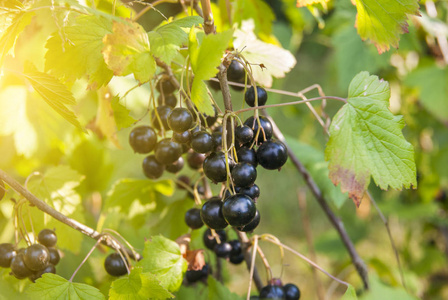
[302,3]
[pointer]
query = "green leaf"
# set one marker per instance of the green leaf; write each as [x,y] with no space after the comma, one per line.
[52,286]
[431,81]
[125,191]
[314,161]
[200,97]
[379,290]
[53,92]
[138,286]
[218,291]
[366,140]
[80,53]
[258,10]
[198,292]
[382,21]
[174,211]
[126,51]
[121,114]
[166,39]
[350,294]
[162,258]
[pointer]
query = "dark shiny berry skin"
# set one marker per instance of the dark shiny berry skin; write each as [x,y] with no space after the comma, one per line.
[193,276]
[244,134]
[223,250]
[195,160]
[167,151]
[165,85]
[115,265]
[272,292]
[215,167]
[252,225]
[244,174]
[193,218]
[210,241]
[7,253]
[47,237]
[248,155]
[238,210]
[236,247]
[163,112]
[143,139]
[54,256]
[236,259]
[152,168]
[18,267]
[217,141]
[292,292]
[272,155]
[180,119]
[168,100]
[50,268]
[2,189]
[252,191]
[182,137]
[211,214]
[175,166]
[249,96]
[210,120]
[236,72]
[265,124]
[202,142]
[36,257]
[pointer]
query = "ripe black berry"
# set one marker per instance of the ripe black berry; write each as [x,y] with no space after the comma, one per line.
[18,267]
[182,182]
[193,276]
[244,174]
[152,168]
[249,96]
[210,241]
[167,151]
[175,166]
[272,292]
[248,155]
[236,247]
[180,119]
[193,218]
[252,225]
[236,259]
[215,167]
[202,142]
[165,85]
[272,155]
[238,210]
[163,112]
[236,72]
[54,256]
[211,214]
[50,268]
[47,237]
[244,134]
[7,253]
[169,100]
[223,250]
[252,191]
[217,141]
[265,124]
[143,139]
[182,137]
[292,292]
[36,257]
[195,160]
[115,265]
[2,189]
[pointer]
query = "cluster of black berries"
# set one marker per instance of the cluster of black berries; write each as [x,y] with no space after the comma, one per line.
[278,291]
[34,261]
[235,73]
[115,265]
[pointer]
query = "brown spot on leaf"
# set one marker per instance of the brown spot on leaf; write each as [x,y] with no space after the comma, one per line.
[196,260]
[355,184]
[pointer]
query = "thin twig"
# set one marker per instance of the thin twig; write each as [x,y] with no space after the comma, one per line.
[252,267]
[209,23]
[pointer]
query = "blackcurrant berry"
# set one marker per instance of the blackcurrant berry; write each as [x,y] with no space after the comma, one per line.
[209,121]
[202,142]
[2,189]
[152,168]
[193,218]
[252,191]
[180,119]
[238,210]
[210,241]
[236,247]
[211,214]
[115,265]
[18,267]
[272,155]
[175,166]
[167,151]
[182,137]
[36,257]
[195,160]
[252,225]
[163,112]
[54,256]
[50,268]
[193,276]
[215,167]
[236,259]
[244,134]
[249,96]
[165,85]
[143,139]
[265,125]
[7,253]
[182,182]
[47,237]
[223,249]
[248,155]
[236,72]
[292,292]
[169,100]
[272,292]
[244,174]
[217,141]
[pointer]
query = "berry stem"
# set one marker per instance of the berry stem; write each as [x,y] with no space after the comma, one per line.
[252,267]
[86,258]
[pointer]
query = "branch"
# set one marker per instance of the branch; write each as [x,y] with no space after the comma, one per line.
[41,205]
[359,264]
[209,23]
